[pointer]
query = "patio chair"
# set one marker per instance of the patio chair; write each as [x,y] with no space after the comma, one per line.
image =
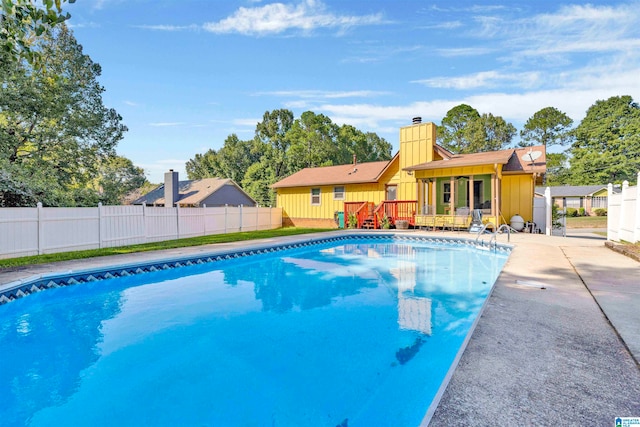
[461,218]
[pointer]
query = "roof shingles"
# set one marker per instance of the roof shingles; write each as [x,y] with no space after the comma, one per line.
[358,173]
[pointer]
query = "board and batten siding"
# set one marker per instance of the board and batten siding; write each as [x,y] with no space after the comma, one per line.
[296,202]
[517,196]
[416,147]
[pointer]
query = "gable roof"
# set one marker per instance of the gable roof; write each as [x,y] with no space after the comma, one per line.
[359,173]
[572,190]
[512,158]
[191,192]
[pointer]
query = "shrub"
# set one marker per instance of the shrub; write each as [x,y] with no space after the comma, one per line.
[385,222]
[582,212]
[556,216]
[600,211]
[352,221]
[571,212]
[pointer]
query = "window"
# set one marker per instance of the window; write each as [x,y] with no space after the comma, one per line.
[446,192]
[338,193]
[392,192]
[573,202]
[315,196]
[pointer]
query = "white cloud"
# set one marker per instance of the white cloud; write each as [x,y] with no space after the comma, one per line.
[465,51]
[276,18]
[484,79]
[574,94]
[449,25]
[572,29]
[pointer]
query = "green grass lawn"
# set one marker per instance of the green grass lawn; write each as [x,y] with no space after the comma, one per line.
[169,244]
[587,222]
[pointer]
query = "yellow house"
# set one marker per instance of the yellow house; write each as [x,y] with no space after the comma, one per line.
[423,184]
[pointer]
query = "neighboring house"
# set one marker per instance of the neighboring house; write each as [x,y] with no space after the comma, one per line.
[589,197]
[208,192]
[423,183]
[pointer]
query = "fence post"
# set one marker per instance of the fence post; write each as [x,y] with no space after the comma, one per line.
[144,221]
[225,218]
[548,204]
[257,207]
[178,219]
[204,219]
[636,230]
[40,230]
[609,222]
[100,232]
[240,218]
[623,209]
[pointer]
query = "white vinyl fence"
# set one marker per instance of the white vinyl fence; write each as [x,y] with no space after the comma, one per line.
[542,212]
[33,231]
[623,213]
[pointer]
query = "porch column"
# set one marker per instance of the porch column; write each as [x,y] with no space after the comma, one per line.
[433,197]
[471,194]
[495,196]
[452,196]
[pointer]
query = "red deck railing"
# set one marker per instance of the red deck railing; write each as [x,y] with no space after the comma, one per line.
[399,209]
[392,209]
[360,210]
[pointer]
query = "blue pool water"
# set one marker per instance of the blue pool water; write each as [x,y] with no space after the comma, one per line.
[350,333]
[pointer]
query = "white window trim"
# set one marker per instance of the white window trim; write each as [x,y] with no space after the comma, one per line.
[342,193]
[319,196]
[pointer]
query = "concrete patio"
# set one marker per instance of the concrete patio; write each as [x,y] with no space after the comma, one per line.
[563,355]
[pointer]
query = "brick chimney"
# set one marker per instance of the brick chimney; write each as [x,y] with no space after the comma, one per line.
[355,159]
[170,188]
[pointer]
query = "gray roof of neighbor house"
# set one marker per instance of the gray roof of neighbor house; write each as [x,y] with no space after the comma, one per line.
[572,190]
[191,192]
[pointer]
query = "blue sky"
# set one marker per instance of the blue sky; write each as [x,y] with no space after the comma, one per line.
[185,74]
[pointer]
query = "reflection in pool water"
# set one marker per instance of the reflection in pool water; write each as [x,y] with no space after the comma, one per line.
[349,333]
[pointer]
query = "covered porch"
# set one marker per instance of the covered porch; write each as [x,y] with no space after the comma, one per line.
[450,199]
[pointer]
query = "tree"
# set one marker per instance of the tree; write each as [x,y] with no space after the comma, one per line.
[453,133]
[548,126]
[367,147]
[283,146]
[203,165]
[557,171]
[118,177]
[607,143]
[54,128]
[257,180]
[272,130]
[312,141]
[488,133]
[231,161]
[20,21]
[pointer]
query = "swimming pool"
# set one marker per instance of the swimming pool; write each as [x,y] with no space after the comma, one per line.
[351,331]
